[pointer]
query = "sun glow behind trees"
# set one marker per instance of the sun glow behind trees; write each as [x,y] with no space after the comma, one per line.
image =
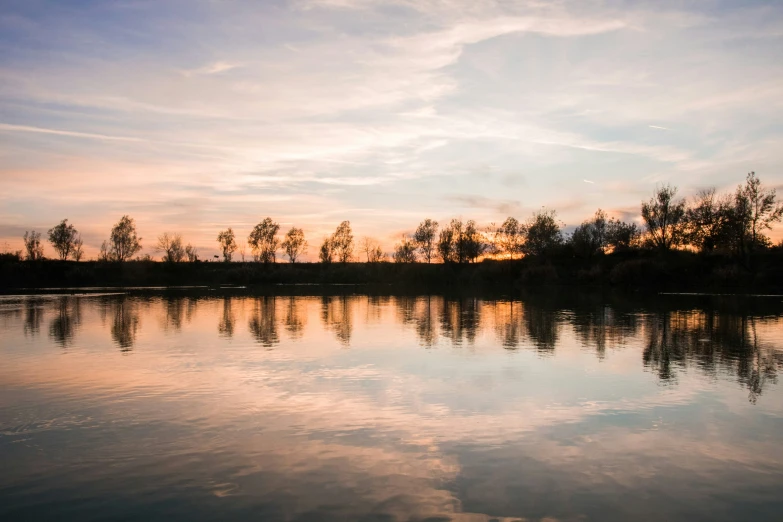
[734,224]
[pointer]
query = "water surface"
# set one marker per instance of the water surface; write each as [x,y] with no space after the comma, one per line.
[379,408]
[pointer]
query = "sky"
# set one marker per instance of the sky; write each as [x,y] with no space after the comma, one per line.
[195,115]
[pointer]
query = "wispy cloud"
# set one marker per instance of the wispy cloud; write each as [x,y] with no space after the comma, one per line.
[337,105]
[57,132]
[212,68]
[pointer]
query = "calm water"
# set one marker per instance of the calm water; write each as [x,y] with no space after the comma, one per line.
[122,407]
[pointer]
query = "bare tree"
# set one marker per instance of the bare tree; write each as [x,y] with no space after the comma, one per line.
[664,217]
[263,240]
[228,244]
[171,246]
[342,242]
[192,253]
[105,252]
[78,249]
[62,238]
[294,244]
[33,246]
[372,250]
[424,238]
[123,242]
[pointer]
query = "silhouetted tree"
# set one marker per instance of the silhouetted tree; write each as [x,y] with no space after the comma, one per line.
[543,233]
[510,237]
[171,246]
[706,222]
[664,217]
[33,246]
[342,242]
[591,237]
[62,238]
[424,237]
[228,244]
[447,245]
[754,211]
[294,244]
[263,240]
[460,242]
[123,242]
[326,252]
[405,251]
[622,236]
[472,244]
[191,253]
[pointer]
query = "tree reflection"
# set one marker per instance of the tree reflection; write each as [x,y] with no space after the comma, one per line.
[712,342]
[262,324]
[600,326]
[294,318]
[542,327]
[125,323]
[175,313]
[508,317]
[336,316]
[67,318]
[33,316]
[421,313]
[460,319]
[228,320]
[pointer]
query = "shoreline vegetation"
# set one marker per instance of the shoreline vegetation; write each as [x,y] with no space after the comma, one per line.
[713,242]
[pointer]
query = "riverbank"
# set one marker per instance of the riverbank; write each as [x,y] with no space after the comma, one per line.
[680,271]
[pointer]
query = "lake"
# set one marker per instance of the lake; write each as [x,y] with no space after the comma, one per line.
[549,406]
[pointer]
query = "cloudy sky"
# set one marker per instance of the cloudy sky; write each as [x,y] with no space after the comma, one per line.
[195,115]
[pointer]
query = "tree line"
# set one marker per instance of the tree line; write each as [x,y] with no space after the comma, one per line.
[732,223]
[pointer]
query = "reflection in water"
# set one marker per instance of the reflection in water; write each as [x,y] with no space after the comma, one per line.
[600,326]
[263,324]
[227,320]
[295,318]
[336,316]
[713,342]
[63,326]
[460,319]
[542,327]
[175,313]
[125,322]
[33,316]
[508,316]
[422,313]
[554,412]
